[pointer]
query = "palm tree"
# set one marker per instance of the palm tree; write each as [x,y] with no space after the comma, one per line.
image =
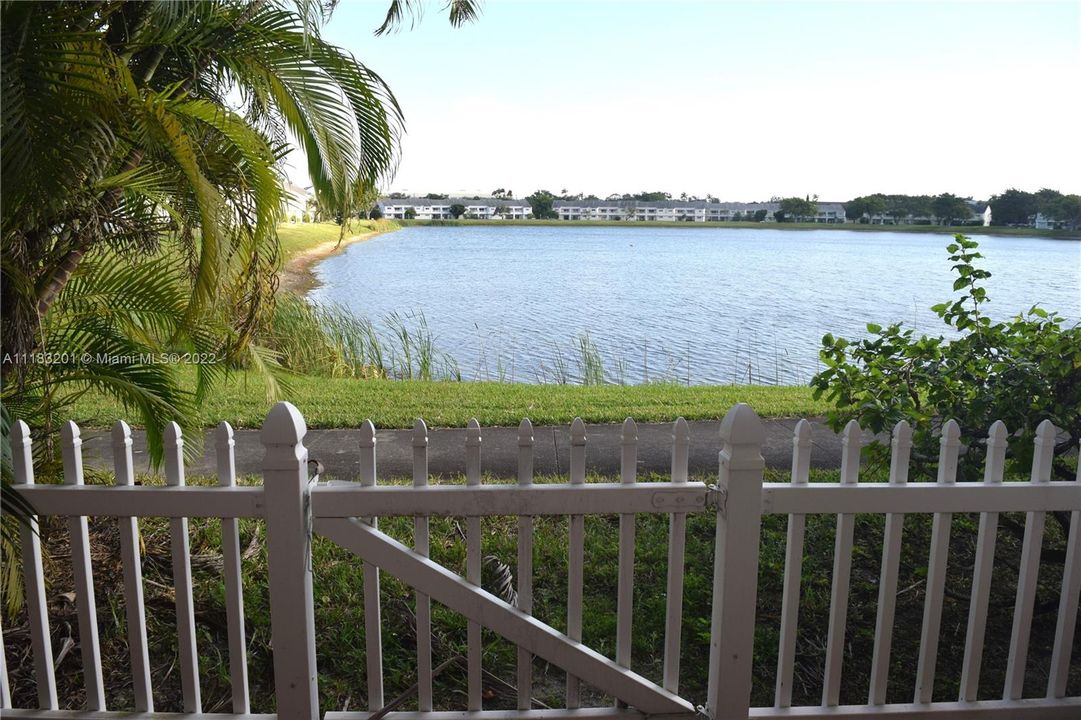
[141,151]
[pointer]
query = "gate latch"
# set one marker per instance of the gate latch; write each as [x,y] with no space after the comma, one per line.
[716,498]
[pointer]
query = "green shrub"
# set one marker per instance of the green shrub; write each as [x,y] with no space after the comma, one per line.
[1021,371]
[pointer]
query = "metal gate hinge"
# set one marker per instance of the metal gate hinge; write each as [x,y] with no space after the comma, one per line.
[716,498]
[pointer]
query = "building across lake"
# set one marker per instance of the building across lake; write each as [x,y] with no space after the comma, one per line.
[423,208]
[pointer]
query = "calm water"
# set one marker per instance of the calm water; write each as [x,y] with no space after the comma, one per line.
[699,305]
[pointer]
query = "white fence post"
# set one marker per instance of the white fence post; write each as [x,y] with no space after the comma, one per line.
[22,466]
[735,573]
[292,614]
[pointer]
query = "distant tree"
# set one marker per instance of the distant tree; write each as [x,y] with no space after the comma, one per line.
[865,207]
[542,203]
[650,196]
[499,193]
[738,217]
[502,210]
[457,210]
[950,208]
[397,196]
[410,214]
[435,196]
[1013,207]
[376,213]
[1067,210]
[760,215]
[799,208]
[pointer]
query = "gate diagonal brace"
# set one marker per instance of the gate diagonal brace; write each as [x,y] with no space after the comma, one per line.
[511,623]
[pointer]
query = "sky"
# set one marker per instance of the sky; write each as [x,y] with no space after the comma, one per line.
[743,101]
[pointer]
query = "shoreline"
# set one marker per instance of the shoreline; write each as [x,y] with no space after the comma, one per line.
[848,226]
[296,275]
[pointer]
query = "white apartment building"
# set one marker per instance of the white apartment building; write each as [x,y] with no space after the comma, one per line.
[681,210]
[475,208]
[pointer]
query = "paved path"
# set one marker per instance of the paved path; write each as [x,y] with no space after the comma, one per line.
[336,449]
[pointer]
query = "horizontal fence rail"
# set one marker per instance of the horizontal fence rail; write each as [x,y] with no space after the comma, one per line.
[295,504]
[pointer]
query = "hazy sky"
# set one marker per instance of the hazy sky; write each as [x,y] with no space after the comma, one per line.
[741,100]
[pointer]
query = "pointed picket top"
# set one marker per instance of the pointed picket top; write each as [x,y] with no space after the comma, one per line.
[950,448]
[121,435]
[420,433]
[122,461]
[578,432]
[994,464]
[681,432]
[1044,451]
[367,435]
[22,459]
[472,433]
[801,453]
[997,435]
[851,444]
[902,435]
[173,437]
[900,451]
[284,425]
[71,448]
[951,434]
[70,433]
[801,437]
[20,433]
[225,443]
[525,433]
[629,436]
[224,436]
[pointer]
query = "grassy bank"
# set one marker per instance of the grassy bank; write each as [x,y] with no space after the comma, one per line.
[347,402]
[855,227]
[340,641]
[296,238]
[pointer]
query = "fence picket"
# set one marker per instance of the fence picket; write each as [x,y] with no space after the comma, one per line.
[373,626]
[133,575]
[185,606]
[842,569]
[575,556]
[5,688]
[1030,568]
[525,563]
[950,447]
[625,597]
[891,557]
[793,567]
[234,588]
[71,448]
[473,565]
[994,466]
[22,465]
[677,540]
[1067,607]
[421,544]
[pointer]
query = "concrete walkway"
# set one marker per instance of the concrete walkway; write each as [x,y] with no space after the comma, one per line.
[336,449]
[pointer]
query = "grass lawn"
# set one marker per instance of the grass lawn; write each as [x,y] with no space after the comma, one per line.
[347,402]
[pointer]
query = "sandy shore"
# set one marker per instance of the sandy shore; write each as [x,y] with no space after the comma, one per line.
[297,276]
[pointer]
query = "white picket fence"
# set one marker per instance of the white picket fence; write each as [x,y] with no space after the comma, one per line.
[294,505]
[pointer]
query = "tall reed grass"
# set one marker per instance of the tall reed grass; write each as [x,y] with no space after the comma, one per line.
[329,340]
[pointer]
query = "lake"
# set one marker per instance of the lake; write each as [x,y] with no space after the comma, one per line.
[695,305]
